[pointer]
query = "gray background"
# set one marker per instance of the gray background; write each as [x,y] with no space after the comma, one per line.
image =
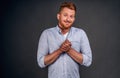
[23,21]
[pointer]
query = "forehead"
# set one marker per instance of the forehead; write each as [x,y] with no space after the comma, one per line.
[67,10]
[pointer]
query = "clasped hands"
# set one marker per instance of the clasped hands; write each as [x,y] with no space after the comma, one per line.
[65,46]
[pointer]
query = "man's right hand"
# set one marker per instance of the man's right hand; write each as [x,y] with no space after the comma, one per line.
[66,45]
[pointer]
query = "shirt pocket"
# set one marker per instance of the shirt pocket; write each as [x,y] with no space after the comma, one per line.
[76,45]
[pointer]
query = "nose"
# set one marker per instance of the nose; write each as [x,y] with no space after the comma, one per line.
[68,18]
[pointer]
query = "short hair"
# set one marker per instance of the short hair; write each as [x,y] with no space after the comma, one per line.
[69,5]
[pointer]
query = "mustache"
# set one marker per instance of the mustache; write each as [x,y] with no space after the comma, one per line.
[67,21]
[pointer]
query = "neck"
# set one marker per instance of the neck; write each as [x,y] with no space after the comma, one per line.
[64,30]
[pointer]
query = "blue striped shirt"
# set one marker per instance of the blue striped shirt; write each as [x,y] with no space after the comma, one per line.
[64,66]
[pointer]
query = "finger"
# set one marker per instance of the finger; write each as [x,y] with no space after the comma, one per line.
[68,41]
[67,45]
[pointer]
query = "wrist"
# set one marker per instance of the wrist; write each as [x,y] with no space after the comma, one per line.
[59,50]
[69,50]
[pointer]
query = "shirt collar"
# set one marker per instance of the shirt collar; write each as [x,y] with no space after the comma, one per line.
[59,30]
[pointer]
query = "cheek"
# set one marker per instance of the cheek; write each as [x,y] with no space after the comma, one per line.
[73,20]
[63,18]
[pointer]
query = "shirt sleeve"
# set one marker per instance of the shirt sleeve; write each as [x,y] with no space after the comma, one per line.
[42,49]
[86,50]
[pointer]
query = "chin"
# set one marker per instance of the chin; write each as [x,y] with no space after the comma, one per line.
[67,27]
[64,26]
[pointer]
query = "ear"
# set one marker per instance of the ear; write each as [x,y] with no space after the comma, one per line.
[58,16]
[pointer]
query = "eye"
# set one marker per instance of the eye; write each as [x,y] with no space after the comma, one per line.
[71,16]
[65,15]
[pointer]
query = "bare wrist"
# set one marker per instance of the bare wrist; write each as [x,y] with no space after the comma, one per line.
[59,50]
[69,50]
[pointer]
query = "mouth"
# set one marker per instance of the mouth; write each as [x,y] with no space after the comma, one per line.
[67,22]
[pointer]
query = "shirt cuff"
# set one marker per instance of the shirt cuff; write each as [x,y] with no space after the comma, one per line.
[41,62]
[86,61]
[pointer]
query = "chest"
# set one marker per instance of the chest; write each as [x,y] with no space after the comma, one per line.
[55,40]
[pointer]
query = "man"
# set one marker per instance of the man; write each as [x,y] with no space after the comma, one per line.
[64,48]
